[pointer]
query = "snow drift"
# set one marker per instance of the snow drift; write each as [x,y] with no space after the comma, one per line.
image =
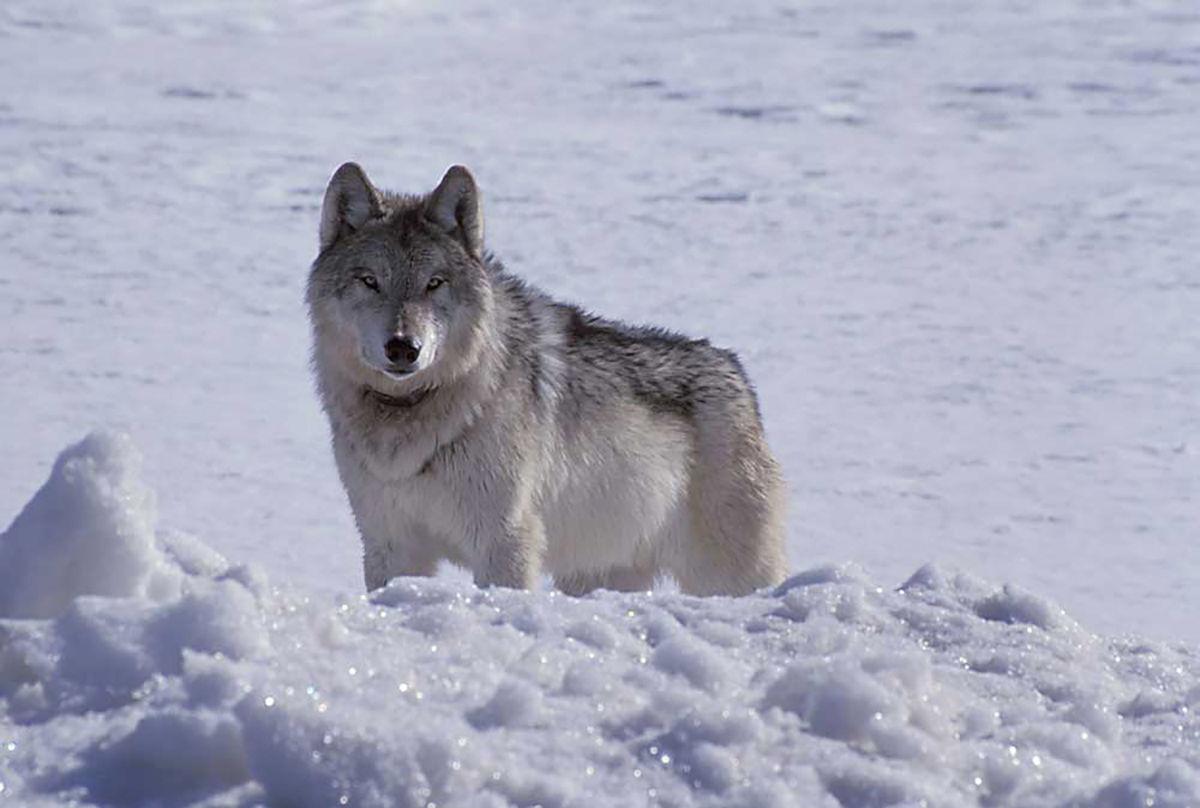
[139,666]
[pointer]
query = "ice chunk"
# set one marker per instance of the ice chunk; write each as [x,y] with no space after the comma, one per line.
[168,756]
[515,703]
[1173,785]
[1013,605]
[836,702]
[694,660]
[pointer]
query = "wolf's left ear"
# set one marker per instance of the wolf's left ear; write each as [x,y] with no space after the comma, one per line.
[454,207]
[350,201]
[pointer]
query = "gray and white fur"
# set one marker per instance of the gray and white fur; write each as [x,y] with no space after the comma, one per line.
[478,421]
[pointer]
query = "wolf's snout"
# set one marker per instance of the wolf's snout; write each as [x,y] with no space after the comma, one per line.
[403,350]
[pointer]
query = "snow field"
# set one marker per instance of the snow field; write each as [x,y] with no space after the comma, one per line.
[953,243]
[171,676]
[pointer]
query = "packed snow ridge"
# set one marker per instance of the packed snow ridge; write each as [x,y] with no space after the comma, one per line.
[139,666]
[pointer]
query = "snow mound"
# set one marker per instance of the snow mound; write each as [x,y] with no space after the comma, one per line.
[138,667]
[88,531]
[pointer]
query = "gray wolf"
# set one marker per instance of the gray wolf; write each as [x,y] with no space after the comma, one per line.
[478,421]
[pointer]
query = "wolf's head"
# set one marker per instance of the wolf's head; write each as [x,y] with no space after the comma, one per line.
[400,297]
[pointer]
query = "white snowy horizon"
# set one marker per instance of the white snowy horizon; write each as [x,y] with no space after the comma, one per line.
[955,246]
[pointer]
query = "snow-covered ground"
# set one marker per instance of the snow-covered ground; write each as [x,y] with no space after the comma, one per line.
[956,245]
[148,670]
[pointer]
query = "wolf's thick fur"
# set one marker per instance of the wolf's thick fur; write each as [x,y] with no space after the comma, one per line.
[476,420]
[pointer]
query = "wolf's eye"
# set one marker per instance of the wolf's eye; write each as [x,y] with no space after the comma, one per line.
[434,283]
[369,281]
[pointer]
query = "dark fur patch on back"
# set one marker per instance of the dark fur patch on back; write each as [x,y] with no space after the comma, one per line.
[666,371]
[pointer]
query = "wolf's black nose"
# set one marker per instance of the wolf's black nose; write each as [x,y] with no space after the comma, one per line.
[403,349]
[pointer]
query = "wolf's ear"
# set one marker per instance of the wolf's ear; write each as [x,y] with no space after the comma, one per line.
[350,201]
[454,207]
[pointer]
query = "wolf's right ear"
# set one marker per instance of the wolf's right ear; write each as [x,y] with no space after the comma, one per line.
[350,202]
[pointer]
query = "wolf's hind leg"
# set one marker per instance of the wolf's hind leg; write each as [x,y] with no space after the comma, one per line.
[736,502]
[383,561]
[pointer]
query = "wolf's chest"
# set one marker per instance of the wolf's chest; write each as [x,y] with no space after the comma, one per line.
[388,455]
[398,480]
[389,503]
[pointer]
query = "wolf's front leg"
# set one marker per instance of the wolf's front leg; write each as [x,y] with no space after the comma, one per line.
[385,560]
[513,558]
[374,566]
